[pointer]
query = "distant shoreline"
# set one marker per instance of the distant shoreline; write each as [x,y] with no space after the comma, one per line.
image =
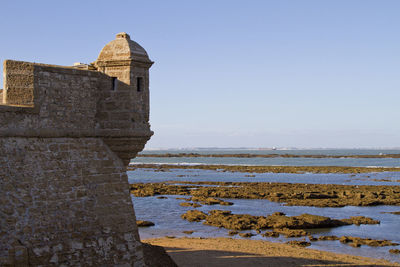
[247,155]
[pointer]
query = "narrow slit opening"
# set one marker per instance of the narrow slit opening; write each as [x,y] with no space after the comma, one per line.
[139,84]
[114,83]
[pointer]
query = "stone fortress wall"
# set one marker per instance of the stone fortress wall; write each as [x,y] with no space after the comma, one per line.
[66,137]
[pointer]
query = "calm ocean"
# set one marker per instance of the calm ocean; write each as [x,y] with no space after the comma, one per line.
[359,162]
[165,213]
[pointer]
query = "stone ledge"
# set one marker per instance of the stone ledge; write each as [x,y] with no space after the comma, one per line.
[18,108]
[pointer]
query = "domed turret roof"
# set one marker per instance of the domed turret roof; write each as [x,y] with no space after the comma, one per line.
[123,48]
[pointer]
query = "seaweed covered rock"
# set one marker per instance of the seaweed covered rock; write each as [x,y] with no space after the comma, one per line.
[222,218]
[394,251]
[278,221]
[211,201]
[357,241]
[304,221]
[194,216]
[328,238]
[358,220]
[290,232]
[296,194]
[299,243]
[189,204]
[246,235]
[270,234]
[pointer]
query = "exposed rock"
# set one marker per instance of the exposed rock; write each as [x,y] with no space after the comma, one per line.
[394,251]
[161,197]
[189,204]
[304,221]
[357,241]
[246,234]
[312,239]
[299,243]
[152,189]
[188,232]
[320,195]
[144,223]
[281,223]
[184,198]
[291,233]
[393,212]
[328,237]
[194,216]
[355,244]
[211,201]
[358,220]
[270,234]
[233,232]
[225,219]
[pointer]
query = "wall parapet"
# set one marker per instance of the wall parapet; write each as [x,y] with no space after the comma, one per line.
[58,101]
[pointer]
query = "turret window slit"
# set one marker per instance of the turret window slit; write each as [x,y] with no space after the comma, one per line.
[139,84]
[114,83]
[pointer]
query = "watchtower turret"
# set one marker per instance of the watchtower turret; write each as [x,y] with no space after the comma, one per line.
[127,61]
[125,108]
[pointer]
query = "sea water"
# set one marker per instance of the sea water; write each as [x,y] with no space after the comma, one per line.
[165,213]
[278,161]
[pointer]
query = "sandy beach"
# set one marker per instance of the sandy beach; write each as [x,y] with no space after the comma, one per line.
[238,252]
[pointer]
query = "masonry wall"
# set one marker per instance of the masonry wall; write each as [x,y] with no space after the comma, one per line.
[64,100]
[65,140]
[69,101]
[19,83]
[65,201]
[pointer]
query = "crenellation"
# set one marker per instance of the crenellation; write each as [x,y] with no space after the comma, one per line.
[66,137]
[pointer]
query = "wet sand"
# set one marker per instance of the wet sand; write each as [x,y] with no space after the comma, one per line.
[240,252]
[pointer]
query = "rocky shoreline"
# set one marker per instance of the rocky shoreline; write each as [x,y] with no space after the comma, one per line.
[277,220]
[289,226]
[265,169]
[297,229]
[296,194]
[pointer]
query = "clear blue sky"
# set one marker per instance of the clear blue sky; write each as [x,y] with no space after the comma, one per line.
[238,73]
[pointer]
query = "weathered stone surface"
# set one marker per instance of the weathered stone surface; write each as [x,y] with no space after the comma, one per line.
[66,137]
[62,203]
